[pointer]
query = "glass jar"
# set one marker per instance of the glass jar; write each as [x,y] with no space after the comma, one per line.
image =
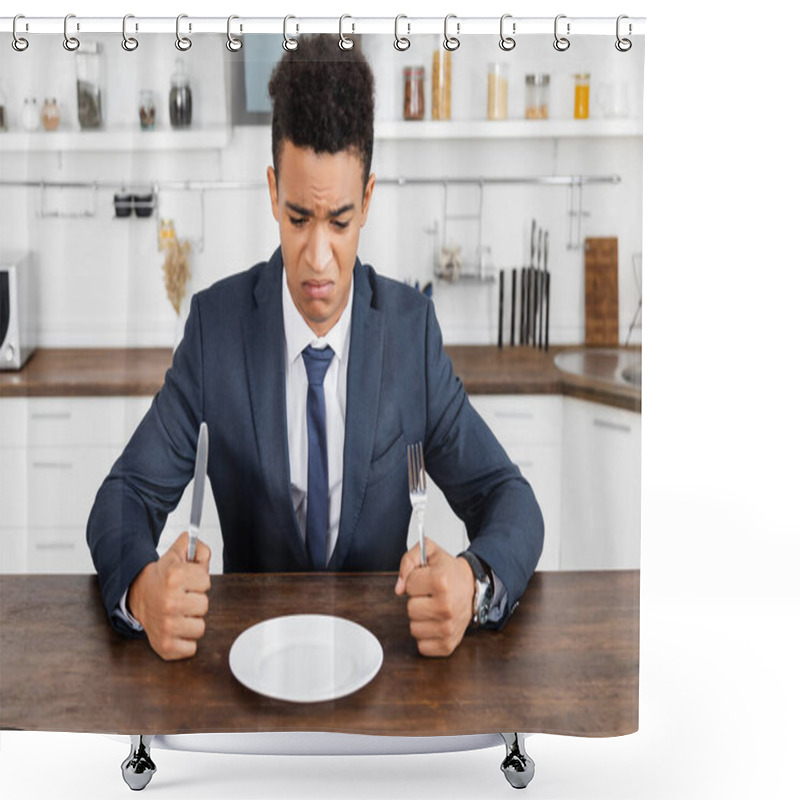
[180,98]
[582,96]
[147,110]
[537,96]
[51,116]
[441,83]
[497,105]
[413,92]
[89,65]
[30,116]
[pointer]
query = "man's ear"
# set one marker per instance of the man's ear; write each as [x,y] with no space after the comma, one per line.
[367,198]
[272,180]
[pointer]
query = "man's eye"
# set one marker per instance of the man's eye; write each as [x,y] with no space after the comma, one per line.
[340,225]
[297,221]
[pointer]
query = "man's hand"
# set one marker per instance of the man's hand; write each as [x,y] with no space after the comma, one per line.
[169,599]
[440,598]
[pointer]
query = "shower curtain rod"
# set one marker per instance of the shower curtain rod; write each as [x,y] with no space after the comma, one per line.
[403,25]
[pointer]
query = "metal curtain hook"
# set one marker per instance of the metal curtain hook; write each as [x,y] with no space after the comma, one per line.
[401,42]
[507,42]
[183,43]
[288,42]
[451,42]
[623,45]
[234,43]
[70,42]
[561,43]
[344,42]
[19,43]
[128,42]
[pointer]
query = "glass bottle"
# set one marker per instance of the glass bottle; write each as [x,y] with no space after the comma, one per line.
[147,110]
[30,114]
[537,96]
[180,98]
[441,84]
[89,65]
[413,92]
[582,96]
[51,116]
[497,105]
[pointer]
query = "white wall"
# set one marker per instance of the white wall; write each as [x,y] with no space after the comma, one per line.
[101,277]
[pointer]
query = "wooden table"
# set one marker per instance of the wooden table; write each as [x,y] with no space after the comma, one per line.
[567,662]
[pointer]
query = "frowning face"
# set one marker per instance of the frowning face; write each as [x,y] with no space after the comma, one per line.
[320,207]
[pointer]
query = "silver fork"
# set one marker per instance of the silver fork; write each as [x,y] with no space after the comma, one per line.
[418,491]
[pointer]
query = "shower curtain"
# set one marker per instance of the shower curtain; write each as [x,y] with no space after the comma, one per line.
[508,191]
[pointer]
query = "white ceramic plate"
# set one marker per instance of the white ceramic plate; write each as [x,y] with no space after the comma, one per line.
[305,658]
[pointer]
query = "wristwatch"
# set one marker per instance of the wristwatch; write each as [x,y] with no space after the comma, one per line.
[484,589]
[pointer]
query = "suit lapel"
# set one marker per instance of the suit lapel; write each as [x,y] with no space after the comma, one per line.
[264,347]
[364,373]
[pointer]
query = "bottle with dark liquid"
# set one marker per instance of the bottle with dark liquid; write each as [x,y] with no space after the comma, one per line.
[180,98]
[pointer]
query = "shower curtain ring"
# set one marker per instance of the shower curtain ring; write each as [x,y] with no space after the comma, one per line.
[19,43]
[288,42]
[234,43]
[451,42]
[183,43]
[401,42]
[561,43]
[623,45]
[129,43]
[507,42]
[344,42]
[70,42]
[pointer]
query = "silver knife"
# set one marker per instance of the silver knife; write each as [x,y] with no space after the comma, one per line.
[200,465]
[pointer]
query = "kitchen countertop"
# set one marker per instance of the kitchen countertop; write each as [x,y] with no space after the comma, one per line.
[483,369]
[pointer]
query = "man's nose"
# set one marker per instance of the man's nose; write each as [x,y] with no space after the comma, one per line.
[319,248]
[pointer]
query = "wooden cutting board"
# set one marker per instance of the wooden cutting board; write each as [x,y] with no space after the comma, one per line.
[602,299]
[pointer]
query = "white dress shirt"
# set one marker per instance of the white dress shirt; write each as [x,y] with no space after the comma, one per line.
[297,336]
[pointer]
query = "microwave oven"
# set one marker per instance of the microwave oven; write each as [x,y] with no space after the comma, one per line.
[18,310]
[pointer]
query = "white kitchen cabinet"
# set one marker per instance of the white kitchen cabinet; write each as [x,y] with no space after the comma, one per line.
[601,487]
[54,454]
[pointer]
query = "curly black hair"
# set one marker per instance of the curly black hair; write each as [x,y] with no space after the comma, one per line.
[323,97]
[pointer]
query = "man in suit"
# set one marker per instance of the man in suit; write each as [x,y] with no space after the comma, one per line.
[313,374]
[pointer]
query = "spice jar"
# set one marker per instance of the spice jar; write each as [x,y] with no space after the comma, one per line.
[413,92]
[30,114]
[90,73]
[51,116]
[582,96]
[147,110]
[497,106]
[537,96]
[441,83]
[180,98]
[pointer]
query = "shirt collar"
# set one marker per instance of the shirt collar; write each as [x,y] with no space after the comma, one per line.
[299,335]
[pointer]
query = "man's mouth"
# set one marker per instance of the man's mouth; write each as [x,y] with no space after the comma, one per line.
[317,290]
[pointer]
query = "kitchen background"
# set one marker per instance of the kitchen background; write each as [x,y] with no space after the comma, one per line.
[101,264]
[101,277]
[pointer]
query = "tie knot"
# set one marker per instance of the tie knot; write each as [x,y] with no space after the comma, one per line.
[317,363]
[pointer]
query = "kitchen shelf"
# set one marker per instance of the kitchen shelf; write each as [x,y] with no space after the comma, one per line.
[507,129]
[115,140]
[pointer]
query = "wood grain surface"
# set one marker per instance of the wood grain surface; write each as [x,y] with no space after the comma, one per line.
[601,291]
[567,662]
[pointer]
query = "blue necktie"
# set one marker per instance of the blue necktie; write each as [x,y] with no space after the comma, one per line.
[317,362]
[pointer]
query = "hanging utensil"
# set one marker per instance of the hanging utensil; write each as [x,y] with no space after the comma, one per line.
[534,280]
[500,312]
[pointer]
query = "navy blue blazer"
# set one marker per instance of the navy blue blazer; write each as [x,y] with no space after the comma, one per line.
[229,371]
